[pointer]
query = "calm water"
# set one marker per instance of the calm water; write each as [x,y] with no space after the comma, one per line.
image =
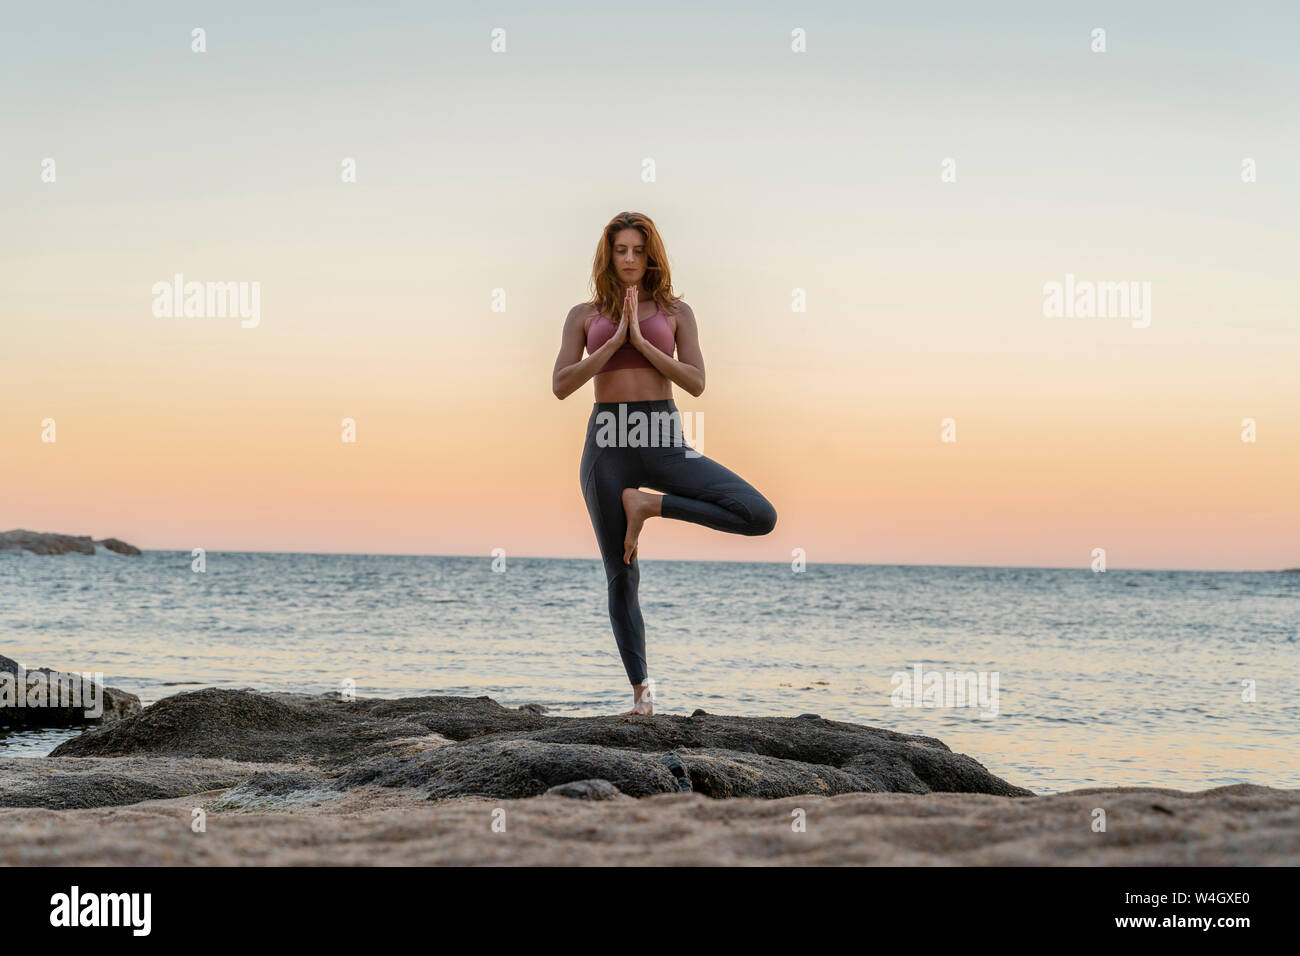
[1125,678]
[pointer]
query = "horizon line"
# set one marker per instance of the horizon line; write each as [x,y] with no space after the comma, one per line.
[862,564]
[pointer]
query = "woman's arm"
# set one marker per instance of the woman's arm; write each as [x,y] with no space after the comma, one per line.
[687,370]
[571,369]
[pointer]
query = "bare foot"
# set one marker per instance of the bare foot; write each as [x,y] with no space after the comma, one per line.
[637,506]
[643,698]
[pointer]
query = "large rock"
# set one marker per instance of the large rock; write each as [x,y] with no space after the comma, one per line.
[57,699]
[253,726]
[44,542]
[452,746]
[66,783]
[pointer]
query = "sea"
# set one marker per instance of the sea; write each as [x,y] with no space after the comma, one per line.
[1054,679]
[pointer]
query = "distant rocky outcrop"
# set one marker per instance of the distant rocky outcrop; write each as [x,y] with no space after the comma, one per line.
[119,546]
[50,698]
[454,746]
[43,542]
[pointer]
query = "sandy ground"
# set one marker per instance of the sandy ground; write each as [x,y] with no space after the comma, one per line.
[1229,826]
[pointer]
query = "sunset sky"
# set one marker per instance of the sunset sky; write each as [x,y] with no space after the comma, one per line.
[775,171]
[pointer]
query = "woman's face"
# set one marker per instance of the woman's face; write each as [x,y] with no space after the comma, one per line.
[629,256]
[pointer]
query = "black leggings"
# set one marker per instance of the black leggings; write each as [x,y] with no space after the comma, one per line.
[696,489]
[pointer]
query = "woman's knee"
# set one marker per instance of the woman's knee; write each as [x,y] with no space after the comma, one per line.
[622,580]
[762,517]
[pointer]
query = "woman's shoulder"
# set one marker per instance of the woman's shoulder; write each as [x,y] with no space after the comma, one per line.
[677,308]
[585,312]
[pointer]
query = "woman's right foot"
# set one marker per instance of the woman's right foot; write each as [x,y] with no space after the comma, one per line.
[637,506]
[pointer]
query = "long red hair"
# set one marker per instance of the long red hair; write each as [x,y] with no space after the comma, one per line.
[657,281]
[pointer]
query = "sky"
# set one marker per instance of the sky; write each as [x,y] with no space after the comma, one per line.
[774,171]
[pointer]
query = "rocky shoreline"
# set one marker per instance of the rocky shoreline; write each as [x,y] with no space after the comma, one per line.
[297,779]
[442,747]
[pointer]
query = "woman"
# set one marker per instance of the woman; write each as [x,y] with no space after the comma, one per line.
[634,367]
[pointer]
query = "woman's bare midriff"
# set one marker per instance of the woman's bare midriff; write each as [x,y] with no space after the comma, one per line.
[633,384]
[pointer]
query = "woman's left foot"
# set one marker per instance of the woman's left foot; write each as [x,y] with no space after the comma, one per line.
[642,702]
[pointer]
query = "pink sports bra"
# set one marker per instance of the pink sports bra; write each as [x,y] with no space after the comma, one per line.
[656,329]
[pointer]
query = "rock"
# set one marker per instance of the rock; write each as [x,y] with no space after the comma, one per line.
[503,768]
[66,783]
[43,542]
[57,699]
[460,746]
[586,790]
[280,782]
[39,542]
[269,790]
[673,761]
[896,762]
[253,726]
[725,773]
[121,547]
[532,708]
